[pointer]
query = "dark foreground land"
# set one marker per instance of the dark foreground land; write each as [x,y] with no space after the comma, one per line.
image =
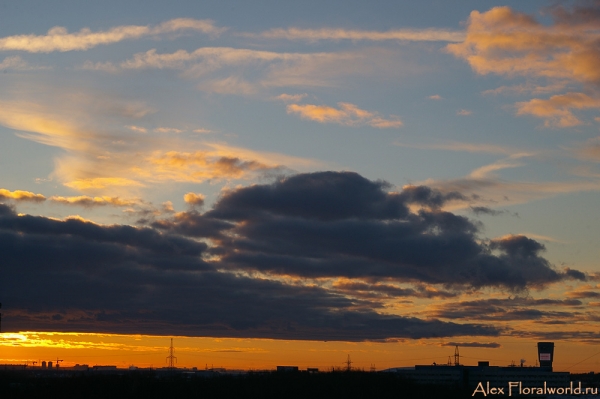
[15,384]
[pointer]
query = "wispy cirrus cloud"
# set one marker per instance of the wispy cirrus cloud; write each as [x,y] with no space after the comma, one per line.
[168,130]
[347,114]
[493,189]
[18,64]
[118,162]
[314,35]
[59,39]
[589,150]
[466,147]
[241,71]
[202,60]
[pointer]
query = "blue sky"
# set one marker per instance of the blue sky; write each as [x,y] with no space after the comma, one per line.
[148,114]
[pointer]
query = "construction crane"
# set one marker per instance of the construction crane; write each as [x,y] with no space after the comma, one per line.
[58,361]
[456,356]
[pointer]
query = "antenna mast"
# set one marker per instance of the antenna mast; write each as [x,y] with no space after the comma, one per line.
[171,358]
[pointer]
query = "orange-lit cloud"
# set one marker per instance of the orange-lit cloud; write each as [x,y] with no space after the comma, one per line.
[138,129]
[48,128]
[19,195]
[347,114]
[91,183]
[291,97]
[85,200]
[202,131]
[199,166]
[464,112]
[59,39]
[194,199]
[123,172]
[557,109]
[528,88]
[505,42]
[119,162]
[314,35]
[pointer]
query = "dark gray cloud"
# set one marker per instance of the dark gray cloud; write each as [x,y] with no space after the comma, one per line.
[193,224]
[484,210]
[580,13]
[582,336]
[184,274]
[518,308]
[493,345]
[575,274]
[584,294]
[339,224]
[378,290]
[74,275]
[426,196]
[324,196]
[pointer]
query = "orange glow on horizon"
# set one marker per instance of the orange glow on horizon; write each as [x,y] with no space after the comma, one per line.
[265,354]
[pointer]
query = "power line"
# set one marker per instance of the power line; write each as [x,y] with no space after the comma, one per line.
[587,358]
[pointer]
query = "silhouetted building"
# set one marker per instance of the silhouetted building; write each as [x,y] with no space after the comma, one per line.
[287,368]
[546,354]
[471,376]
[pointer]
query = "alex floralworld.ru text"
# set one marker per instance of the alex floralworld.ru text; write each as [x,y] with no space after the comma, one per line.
[516,388]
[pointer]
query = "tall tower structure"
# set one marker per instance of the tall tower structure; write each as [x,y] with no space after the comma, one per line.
[546,354]
[171,358]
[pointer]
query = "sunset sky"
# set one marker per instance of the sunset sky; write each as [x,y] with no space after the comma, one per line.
[291,182]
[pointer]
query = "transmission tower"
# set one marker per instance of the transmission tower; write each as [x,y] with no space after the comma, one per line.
[456,356]
[171,358]
[348,364]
